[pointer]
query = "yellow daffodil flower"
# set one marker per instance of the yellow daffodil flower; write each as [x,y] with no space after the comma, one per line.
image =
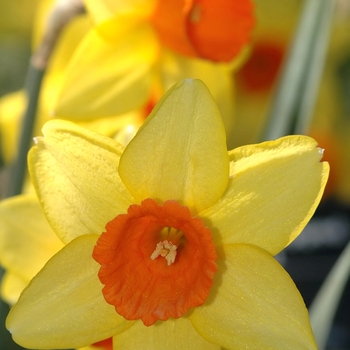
[138,49]
[189,230]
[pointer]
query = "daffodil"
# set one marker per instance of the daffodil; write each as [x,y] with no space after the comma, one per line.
[170,240]
[138,49]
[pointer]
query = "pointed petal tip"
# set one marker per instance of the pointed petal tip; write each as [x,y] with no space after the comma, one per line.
[180,151]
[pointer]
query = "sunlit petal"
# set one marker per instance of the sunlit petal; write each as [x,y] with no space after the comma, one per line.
[180,151]
[176,334]
[255,305]
[274,190]
[63,306]
[105,10]
[75,174]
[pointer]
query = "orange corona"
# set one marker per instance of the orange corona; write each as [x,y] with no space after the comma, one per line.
[214,30]
[157,261]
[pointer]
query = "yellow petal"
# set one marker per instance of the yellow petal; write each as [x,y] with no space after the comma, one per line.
[74,171]
[105,10]
[217,77]
[274,190]
[92,347]
[176,334]
[110,126]
[63,307]
[180,151]
[114,77]
[12,286]
[11,110]
[27,241]
[254,306]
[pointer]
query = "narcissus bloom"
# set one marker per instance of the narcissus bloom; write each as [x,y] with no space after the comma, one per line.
[189,230]
[138,49]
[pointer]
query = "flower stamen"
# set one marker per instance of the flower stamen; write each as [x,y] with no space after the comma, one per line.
[167,250]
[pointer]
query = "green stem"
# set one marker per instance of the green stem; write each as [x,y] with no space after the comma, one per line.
[295,98]
[315,68]
[325,304]
[19,168]
[62,13]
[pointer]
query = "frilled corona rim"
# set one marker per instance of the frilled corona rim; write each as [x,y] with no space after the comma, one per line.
[157,261]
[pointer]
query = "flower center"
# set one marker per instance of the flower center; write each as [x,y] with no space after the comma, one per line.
[157,261]
[167,250]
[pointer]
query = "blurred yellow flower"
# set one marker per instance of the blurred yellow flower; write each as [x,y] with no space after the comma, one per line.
[138,49]
[174,202]
[12,107]
[24,248]
[120,64]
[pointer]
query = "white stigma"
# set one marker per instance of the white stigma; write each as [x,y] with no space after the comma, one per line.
[167,250]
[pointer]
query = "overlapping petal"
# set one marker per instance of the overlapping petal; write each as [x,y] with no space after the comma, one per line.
[253,289]
[74,171]
[110,126]
[120,74]
[180,151]
[274,190]
[64,48]
[176,334]
[63,306]
[11,287]
[26,236]
[11,109]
